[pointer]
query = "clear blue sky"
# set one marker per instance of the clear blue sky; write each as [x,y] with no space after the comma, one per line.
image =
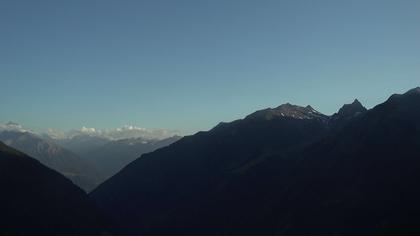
[189,64]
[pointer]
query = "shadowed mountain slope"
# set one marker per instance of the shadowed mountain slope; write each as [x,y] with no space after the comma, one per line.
[274,174]
[36,200]
[170,188]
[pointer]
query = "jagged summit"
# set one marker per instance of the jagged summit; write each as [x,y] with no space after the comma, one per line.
[351,109]
[346,113]
[287,110]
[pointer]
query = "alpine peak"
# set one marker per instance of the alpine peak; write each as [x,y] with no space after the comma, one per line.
[287,110]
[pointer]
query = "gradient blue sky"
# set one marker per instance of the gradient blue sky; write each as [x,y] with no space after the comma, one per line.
[189,64]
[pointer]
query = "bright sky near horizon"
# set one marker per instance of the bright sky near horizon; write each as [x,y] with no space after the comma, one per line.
[188,64]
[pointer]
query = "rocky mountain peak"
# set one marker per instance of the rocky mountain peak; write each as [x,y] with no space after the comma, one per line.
[288,110]
[351,109]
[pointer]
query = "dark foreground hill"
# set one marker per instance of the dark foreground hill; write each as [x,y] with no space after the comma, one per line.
[36,200]
[283,171]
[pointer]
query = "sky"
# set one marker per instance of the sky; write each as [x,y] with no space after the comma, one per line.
[186,65]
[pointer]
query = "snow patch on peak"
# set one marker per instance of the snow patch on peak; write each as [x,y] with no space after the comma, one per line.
[288,110]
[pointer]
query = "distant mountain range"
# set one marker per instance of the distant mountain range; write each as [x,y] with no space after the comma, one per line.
[82,143]
[85,159]
[36,200]
[124,132]
[80,171]
[284,171]
[109,156]
[114,155]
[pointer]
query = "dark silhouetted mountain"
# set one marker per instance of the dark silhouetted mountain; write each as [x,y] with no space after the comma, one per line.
[274,174]
[114,155]
[288,110]
[48,153]
[36,200]
[346,113]
[149,194]
[362,181]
